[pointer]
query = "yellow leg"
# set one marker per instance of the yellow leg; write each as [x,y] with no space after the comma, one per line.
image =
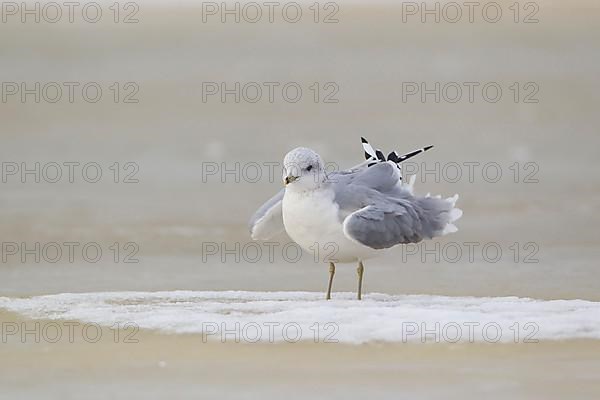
[331,273]
[360,271]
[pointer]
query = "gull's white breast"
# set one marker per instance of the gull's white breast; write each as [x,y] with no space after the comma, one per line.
[311,219]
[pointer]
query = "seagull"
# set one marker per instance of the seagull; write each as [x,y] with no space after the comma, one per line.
[351,215]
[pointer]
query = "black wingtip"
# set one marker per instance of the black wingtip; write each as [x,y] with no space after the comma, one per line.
[427,148]
[363,140]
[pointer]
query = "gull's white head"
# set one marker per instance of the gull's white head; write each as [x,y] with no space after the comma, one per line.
[303,169]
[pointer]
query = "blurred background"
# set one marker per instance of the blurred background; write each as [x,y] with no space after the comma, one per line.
[158,153]
[161,117]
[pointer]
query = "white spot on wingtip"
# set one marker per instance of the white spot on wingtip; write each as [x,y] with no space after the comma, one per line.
[449,228]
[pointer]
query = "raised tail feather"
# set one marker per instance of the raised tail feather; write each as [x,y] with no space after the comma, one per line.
[376,155]
[437,215]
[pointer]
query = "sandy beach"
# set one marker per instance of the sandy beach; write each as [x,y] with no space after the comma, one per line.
[186,366]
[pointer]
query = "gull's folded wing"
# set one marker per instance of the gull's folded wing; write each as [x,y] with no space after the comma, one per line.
[383,227]
[267,222]
[389,214]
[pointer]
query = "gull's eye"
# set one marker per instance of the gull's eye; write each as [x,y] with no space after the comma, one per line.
[309,168]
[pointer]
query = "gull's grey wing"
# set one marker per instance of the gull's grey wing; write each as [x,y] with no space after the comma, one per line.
[267,221]
[377,211]
[384,177]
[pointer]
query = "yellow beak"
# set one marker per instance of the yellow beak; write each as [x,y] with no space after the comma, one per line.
[290,179]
